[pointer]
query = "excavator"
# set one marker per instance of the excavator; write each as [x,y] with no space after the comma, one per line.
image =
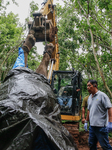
[67,85]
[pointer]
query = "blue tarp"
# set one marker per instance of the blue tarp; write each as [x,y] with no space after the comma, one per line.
[20,60]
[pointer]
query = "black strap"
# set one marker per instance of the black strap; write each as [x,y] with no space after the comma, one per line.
[25,48]
[47,52]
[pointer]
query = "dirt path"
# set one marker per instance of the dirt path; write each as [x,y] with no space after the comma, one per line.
[82,142]
[81,138]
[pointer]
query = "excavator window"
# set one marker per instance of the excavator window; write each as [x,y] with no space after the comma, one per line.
[68,86]
[65,91]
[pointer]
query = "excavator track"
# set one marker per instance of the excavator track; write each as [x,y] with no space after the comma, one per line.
[73,128]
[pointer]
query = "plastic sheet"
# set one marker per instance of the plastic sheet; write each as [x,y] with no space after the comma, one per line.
[29,114]
[20,60]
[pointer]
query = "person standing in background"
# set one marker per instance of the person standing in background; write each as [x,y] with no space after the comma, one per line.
[99,116]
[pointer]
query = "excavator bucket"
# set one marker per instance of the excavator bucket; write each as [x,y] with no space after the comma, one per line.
[43,28]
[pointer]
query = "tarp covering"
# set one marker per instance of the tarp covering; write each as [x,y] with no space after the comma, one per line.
[20,59]
[29,114]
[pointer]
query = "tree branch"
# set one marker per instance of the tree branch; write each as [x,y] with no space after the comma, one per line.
[100,24]
[10,52]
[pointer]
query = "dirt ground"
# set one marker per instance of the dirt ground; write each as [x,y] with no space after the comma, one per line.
[81,138]
[82,143]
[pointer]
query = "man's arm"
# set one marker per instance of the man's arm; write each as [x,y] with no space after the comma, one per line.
[83,115]
[109,125]
[84,106]
[87,118]
[110,114]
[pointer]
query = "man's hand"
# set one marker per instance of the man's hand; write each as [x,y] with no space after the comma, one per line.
[83,120]
[109,126]
[85,126]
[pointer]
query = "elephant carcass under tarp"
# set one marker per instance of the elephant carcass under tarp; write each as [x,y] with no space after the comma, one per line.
[29,114]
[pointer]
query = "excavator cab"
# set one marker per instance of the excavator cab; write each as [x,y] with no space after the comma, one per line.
[67,86]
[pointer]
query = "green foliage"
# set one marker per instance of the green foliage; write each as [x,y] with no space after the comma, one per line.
[73,36]
[75,39]
[33,8]
[11,37]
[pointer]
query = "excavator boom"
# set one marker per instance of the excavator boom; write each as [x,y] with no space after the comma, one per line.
[46,31]
[49,11]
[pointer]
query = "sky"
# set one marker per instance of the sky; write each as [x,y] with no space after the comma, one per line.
[23,12]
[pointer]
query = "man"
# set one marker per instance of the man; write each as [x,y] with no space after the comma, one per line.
[65,100]
[84,106]
[62,100]
[99,113]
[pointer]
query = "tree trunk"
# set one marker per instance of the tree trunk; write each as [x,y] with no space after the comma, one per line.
[98,66]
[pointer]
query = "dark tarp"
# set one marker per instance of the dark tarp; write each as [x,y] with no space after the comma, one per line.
[29,114]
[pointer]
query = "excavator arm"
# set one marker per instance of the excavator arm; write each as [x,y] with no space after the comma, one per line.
[50,11]
[46,31]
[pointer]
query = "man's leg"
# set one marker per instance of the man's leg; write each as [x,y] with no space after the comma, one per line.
[69,102]
[102,136]
[60,101]
[92,139]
